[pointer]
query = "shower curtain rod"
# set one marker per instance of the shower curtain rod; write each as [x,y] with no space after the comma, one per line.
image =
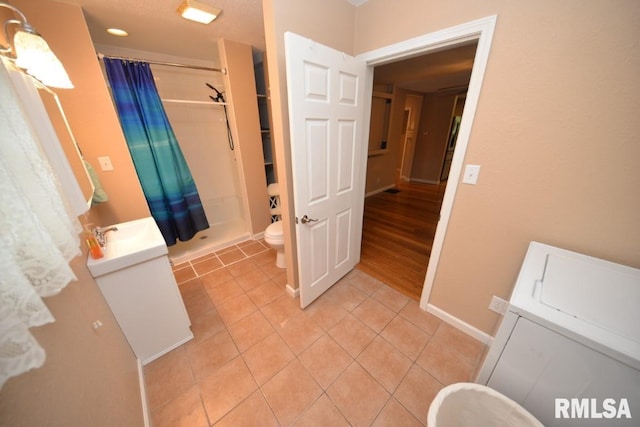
[170,64]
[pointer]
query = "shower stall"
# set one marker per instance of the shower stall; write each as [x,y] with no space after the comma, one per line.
[200,126]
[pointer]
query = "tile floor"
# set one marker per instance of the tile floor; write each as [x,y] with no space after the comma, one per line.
[362,354]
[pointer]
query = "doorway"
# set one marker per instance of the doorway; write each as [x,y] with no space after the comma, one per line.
[480,32]
[399,224]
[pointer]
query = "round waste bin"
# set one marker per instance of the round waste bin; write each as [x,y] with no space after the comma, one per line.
[469,404]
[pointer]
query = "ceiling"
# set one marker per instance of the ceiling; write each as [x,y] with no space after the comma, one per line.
[155,26]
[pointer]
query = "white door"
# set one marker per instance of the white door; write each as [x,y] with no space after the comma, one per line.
[326,97]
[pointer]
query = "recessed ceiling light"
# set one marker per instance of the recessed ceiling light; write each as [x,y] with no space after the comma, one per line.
[199,12]
[117,32]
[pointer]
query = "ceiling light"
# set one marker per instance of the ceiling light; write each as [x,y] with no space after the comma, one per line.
[196,11]
[117,32]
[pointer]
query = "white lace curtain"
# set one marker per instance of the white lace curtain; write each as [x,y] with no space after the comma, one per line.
[38,235]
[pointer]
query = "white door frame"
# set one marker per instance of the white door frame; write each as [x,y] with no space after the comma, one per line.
[480,30]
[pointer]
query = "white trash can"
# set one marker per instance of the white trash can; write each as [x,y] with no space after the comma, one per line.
[470,404]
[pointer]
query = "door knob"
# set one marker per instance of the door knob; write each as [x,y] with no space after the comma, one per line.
[305,219]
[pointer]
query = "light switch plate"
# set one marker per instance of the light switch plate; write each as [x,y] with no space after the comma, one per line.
[105,163]
[471,173]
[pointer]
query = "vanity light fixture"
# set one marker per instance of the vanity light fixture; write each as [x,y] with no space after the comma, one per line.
[198,12]
[32,53]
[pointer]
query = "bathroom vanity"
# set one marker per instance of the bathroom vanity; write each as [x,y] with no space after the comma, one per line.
[572,331]
[136,279]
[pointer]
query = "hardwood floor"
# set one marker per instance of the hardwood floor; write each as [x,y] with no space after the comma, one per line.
[397,235]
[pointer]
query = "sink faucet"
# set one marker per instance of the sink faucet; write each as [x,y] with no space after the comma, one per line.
[100,234]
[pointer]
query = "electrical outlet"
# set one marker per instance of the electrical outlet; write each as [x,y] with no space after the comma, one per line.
[498,305]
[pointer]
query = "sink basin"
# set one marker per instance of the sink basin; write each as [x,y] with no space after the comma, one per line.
[134,242]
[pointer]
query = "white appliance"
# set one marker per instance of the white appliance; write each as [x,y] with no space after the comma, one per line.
[570,340]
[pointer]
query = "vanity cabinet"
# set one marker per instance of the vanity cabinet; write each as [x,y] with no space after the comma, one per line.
[147,304]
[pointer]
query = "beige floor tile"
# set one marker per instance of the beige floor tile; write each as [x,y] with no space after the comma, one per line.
[203,258]
[224,291]
[271,270]
[185,410]
[215,278]
[231,256]
[385,363]
[242,267]
[267,357]
[444,364]
[325,313]
[323,413]
[364,282]
[405,336]
[423,320]
[280,310]
[352,335]
[358,396]
[291,392]
[454,339]
[226,388]
[299,332]
[250,330]
[233,312]
[184,274]
[205,325]
[280,279]
[265,293]
[236,308]
[254,411]
[207,266]
[325,360]
[195,298]
[167,377]
[211,354]
[373,314]
[175,267]
[391,298]
[252,279]
[253,248]
[394,414]
[416,392]
[345,295]
[268,257]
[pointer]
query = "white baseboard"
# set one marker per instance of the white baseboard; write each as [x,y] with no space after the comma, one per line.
[425,181]
[146,416]
[379,190]
[459,324]
[294,293]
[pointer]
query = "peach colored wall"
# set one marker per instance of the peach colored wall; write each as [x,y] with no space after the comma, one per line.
[329,22]
[89,376]
[88,107]
[555,133]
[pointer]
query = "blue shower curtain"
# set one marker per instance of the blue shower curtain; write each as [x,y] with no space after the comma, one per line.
[163,172]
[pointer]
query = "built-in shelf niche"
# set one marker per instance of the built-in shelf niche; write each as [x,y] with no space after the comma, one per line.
[265,117]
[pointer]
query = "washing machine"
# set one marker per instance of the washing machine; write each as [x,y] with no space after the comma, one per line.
[568,347]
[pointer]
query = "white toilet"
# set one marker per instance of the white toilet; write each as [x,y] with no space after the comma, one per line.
[274,237]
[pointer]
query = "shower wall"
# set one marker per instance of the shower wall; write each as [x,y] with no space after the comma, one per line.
[201,129]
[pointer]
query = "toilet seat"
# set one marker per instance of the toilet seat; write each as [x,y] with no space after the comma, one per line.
[274,233]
